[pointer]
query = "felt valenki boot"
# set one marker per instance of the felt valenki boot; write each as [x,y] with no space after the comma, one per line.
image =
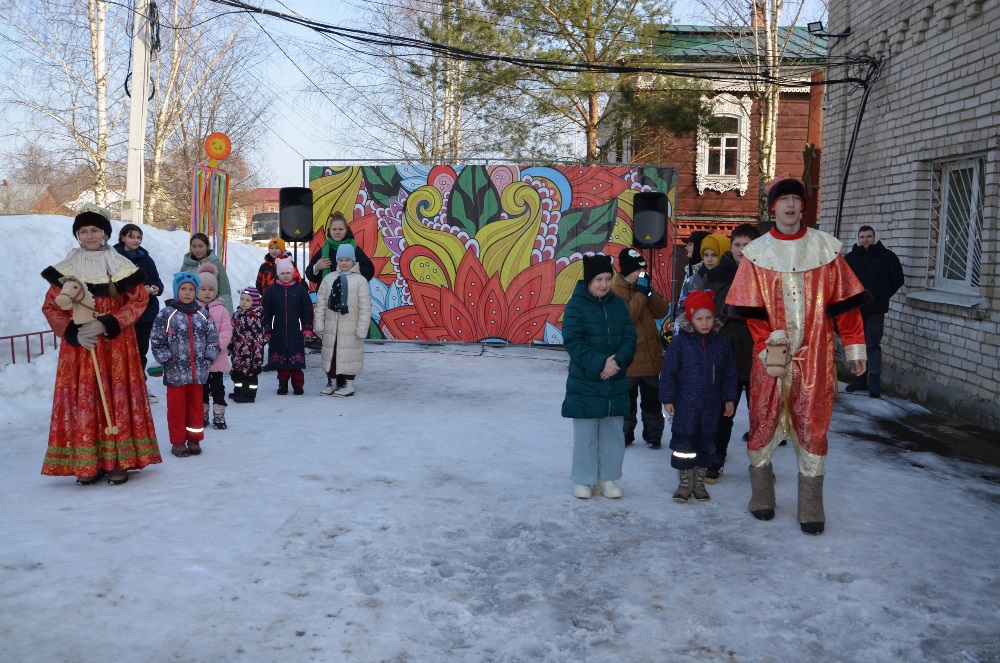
[762,492]
[812,520]
[685,485]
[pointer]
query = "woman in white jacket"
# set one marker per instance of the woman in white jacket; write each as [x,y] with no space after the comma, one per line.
[343,314]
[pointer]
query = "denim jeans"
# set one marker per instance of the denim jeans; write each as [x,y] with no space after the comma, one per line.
[598,450]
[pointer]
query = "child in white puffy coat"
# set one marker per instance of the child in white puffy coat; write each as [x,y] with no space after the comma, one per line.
[343,315]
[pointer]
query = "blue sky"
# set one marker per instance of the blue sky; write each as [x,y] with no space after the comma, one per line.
[295,134]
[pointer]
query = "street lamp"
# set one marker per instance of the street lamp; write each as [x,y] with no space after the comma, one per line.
[816,29]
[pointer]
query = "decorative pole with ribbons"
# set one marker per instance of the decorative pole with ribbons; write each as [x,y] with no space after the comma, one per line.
[210,194]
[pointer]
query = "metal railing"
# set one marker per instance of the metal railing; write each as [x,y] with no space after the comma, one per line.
[13,341]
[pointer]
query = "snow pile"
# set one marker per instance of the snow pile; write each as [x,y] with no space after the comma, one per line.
[430,518]
[43,240]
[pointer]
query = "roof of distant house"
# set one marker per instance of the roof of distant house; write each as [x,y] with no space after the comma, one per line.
[19,198]
[715,43]
[253,196]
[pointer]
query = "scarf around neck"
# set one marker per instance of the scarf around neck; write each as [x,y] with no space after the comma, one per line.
[329,251]
[96,267]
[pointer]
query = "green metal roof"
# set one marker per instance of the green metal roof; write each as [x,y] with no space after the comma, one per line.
[714,43]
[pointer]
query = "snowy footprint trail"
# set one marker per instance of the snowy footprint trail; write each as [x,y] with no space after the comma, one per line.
[430,518]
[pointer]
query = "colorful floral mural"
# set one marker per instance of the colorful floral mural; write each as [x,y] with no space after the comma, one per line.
[485,252]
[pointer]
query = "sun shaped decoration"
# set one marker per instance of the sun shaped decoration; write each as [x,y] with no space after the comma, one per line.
[217,146]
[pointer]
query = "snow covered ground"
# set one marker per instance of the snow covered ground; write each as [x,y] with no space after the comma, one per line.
[430,518]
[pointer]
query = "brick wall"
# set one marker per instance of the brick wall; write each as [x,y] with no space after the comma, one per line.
[938,99]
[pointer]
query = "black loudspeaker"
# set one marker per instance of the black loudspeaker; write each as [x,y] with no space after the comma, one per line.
[295,213]
[649,220]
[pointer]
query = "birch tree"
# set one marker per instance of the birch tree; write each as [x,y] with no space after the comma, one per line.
[57,64]
[205,82]
[763,59]
[408,104]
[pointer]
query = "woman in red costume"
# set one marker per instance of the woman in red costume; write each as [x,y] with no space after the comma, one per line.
[83,441]
[794,281]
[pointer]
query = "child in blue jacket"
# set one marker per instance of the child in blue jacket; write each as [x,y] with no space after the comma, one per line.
[185,341]
[697,384]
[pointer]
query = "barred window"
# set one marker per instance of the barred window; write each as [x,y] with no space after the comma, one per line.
[957,223]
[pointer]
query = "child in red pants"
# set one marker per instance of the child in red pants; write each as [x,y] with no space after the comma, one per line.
[185,341]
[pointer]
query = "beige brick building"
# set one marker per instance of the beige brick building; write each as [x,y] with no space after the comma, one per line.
[926,175]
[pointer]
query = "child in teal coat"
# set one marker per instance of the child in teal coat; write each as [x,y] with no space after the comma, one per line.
[600,338]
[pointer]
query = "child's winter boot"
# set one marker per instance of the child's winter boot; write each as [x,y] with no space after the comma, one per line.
[298,391]
[698,489]
[331,386]
[685,486]
[583,491]
[346,390]
[282,387]
[250,392]
[237,392]
[219,416]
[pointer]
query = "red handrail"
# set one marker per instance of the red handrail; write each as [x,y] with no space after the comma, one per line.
[27,343]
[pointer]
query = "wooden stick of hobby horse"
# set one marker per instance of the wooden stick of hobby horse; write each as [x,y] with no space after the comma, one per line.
[110,429]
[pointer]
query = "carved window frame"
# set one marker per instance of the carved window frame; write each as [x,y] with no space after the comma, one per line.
[726,105]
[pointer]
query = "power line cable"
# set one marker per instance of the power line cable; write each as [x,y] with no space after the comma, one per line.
[369,37]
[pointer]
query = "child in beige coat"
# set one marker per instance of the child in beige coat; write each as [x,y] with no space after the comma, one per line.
[343,314]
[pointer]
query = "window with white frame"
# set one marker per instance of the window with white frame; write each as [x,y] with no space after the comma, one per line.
[957,224]
[724,147]
[723,159]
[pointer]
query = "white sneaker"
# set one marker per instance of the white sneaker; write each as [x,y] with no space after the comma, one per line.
[331,386]
[610,489]
[153,399]
[346,390]
[583,491]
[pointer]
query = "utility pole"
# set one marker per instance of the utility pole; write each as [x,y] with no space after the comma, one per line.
[132,206]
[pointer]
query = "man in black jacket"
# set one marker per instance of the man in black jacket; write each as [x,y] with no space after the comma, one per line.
[879,271]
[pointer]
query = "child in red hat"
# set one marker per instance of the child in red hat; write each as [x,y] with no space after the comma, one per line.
[697,384]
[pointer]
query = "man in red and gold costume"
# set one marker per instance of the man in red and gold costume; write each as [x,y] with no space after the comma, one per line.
[791,286]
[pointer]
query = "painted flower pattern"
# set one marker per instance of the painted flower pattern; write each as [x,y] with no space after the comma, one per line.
[472,253]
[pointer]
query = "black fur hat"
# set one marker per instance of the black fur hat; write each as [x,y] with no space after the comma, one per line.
[785,186]
[89,218]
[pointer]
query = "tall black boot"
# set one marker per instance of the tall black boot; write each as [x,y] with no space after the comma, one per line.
[874,385]
[857,384]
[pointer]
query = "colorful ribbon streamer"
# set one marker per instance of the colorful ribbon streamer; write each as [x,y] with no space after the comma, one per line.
[210,206]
